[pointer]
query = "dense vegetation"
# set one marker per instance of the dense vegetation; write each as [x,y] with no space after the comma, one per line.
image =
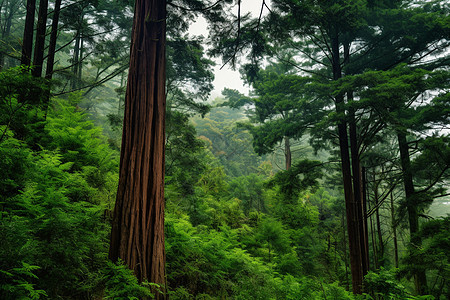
[254,198]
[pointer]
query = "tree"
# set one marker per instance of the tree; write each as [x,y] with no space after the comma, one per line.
[137,235]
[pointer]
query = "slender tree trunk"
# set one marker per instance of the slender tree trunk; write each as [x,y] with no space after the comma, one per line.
[358,190]
[379,233]
[420,279]
[80,62]
[364,207]
[137,235]
[51,52]
[39,45]
[351,211]
[6,30]
[27,43]
[394,231]
[345,254]
[52,42]
[287,152]
[374,244]
[75,59]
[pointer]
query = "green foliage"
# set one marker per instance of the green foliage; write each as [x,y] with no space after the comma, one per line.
[302,175]
[120,283]
[53,201]
[15,283]
[383,285]
[432,256]
[21,105]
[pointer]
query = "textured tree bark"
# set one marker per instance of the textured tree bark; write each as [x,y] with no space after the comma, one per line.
[287,152]
[27,43]
[52,43]
[394,231]
[350,206]
[379,233]
[364,209]
[420,279]
[39,44]
[75,60]
[137,235]
[358,191]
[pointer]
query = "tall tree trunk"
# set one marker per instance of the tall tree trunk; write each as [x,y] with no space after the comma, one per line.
[374,244]
[75,59]
[39,45]
[80,61]
[364,208]
[53,39]
[345,254]
[352,218]
[420,279]
[358,189]
[380,235]
[27,43]
[394,231]
[287,152]
[6,30]
[137,235]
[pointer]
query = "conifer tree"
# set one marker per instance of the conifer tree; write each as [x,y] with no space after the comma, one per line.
[137,235]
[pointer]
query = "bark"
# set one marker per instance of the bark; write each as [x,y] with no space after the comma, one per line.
[137,235]
[364,206]
[358,191]
[345,254]
[27,43]
[75,60]
[352,219]
[377,219]
[80,62]
[6,30]
[51,53]
[394,231]
[39,44]
[374,244]
[420,279]
[287,153]
[52,42]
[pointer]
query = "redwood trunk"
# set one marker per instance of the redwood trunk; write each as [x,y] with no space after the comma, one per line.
[137,235]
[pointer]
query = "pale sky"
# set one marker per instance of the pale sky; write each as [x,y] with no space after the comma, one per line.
[227,78]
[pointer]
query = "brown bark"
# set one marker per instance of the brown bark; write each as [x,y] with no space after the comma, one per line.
[358,191]
[352,218]
[420,279]
[287,152]
[39,44]
[377,219]
[75,60]
[394,231]
[6,29]
[137,235]
[27,43]
[52,42]
[364,207]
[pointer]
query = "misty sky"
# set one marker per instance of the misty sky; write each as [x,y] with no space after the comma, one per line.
[227,77]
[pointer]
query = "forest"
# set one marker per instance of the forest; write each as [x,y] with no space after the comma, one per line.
[326,176]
